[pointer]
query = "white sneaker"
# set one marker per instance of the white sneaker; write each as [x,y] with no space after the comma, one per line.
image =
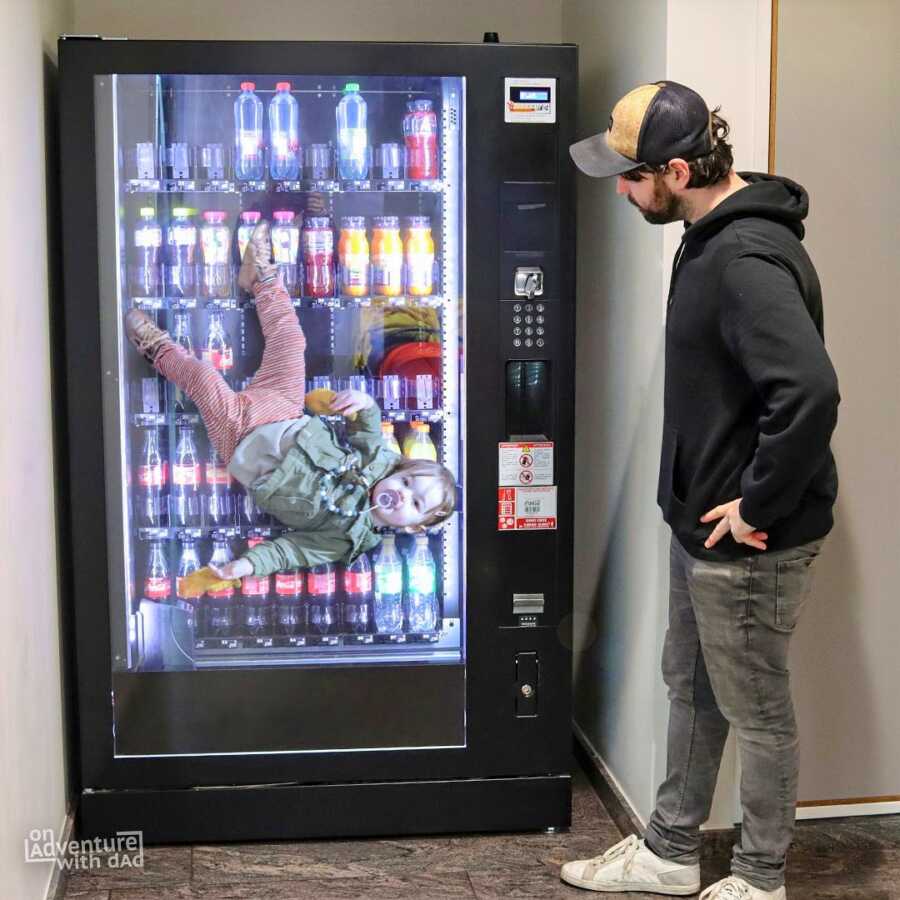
[734,888]
[631,866]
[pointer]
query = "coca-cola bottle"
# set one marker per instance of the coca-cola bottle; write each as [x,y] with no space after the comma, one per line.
[249,514]
[152,478]
[188,562]
[321,587]
[219,492]
[182,335]
[221,608]
[185,499]
[356,613]
[217,349]
[290,619]
[259,608]
[157,583]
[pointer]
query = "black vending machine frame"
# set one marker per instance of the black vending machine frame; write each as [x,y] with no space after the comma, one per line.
[514,771]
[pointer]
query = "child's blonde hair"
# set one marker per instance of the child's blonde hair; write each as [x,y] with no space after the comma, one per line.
[447,503]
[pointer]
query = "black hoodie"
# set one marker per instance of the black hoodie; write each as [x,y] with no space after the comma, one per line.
[750,395]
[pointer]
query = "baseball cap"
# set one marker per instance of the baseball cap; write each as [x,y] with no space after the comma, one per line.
[651,124]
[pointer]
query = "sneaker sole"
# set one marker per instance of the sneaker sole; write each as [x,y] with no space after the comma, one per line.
[609,887]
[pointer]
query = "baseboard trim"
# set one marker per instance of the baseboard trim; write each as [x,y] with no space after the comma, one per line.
[605,785]
[839,810]
[59,878]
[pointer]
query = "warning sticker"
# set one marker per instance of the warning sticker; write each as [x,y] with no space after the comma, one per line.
[526,508]
[526,463]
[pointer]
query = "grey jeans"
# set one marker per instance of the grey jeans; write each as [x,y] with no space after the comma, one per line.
[725,662]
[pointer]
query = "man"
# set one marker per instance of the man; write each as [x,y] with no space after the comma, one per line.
[747,483]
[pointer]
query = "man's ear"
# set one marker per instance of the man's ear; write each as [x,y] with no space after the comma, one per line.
[682,172]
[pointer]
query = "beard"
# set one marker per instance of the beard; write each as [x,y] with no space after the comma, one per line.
[664,208]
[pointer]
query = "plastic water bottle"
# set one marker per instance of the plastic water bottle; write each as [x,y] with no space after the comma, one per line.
[146,256]
[421,598]
[286,249]
[388,588]
[352,135]
[284,134]
[248,134]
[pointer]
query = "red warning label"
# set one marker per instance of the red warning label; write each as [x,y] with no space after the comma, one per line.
[526,508]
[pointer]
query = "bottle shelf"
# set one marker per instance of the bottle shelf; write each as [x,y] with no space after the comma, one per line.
[154,304]
[149,420]
[309,641]
[367,186]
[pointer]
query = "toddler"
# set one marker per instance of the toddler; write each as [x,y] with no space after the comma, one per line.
[332,498]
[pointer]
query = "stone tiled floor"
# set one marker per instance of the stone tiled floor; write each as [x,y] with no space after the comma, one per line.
[838,860]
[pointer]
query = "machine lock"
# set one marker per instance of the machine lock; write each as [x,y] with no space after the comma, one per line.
[529,282]
[527,684]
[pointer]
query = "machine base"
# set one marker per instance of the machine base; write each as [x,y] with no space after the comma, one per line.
[291,811]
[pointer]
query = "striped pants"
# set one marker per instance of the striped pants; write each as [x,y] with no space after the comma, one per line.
[275,392]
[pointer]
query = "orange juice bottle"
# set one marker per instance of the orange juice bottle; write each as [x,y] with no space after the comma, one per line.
[387,257]
[418,443]
[353,254]
[419,256]
[388,438]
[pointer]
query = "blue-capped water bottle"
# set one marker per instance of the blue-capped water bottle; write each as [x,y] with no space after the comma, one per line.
[388,584]
[284,134]
[421,597]
[248,134]
[352,135]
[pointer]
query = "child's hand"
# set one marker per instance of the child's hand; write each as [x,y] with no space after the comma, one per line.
[346,403]
[237,568]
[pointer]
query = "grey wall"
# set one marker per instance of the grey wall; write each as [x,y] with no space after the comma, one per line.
[836,133]
[620,549]
[536,21]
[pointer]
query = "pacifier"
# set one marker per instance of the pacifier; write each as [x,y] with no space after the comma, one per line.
[388,499]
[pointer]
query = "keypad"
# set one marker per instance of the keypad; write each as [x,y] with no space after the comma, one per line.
[528,323]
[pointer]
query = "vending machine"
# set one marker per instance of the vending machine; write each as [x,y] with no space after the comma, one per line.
[420,203]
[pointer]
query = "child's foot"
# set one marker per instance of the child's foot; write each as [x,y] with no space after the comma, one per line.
[148,338]
[257,265]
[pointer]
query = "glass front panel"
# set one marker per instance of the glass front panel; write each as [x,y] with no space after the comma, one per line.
[361,179]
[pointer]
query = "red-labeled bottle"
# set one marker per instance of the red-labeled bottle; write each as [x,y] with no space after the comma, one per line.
[290,616]
[219,492]
[321,590]
[222,607]
[157,581]
[185,501]
[356,612]
[258,611]
[217,350]
[318,257]
[152,480]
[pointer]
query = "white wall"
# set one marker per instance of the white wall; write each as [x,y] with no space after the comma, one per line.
[32,765]
[621,554]
[537,21]
[836,133]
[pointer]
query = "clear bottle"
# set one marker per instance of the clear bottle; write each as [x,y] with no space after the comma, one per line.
[221,607]
[284,134]
[249,514]
[157,582]
[258,619]
[422,612]
[356,612]
[290,614]
[152,480]
[249,220]
[420,136]
[248,134]
[144,271]
[215,249]
[217,350]
[185,499]
[286,249]
[318,257]
[219,492]
[188,562]
[182,334]
[389,439]
[181,254]
[352,135]
[388,587]
[321,588]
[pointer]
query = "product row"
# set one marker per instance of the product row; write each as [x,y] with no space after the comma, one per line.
[198,491]
[281,147]
[201,262]
[394,594]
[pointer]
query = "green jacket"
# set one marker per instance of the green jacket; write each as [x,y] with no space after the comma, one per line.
[293,495]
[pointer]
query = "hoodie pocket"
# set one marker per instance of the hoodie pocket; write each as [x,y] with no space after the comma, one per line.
[669,502]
